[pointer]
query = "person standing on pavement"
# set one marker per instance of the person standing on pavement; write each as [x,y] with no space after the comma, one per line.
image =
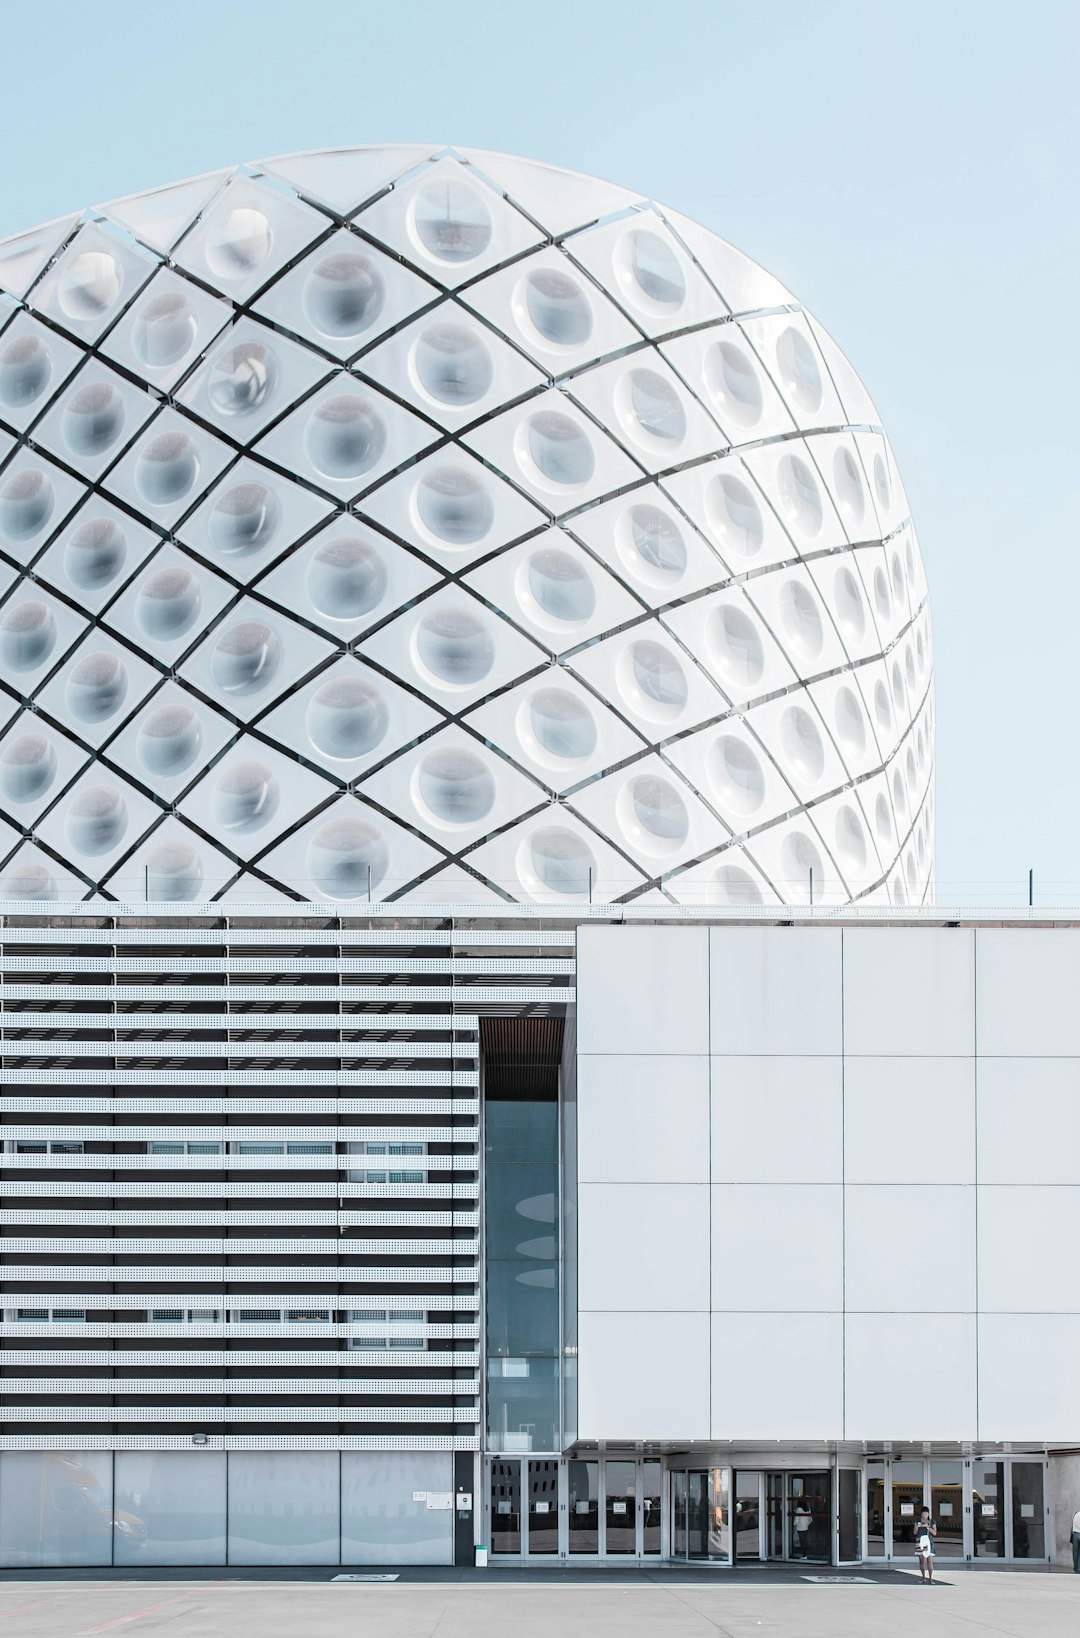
[1076,1542]
[925,1531]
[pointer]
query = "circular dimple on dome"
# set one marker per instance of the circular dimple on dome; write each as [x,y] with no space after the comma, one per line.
[560,586]
[559,449]
[899,793]
[168,602]
[653,680]
[455,786]
[733,885]
[164,330]
[454,505]
[734,384]
[652,270]
[242,519]
[174,873]
[452,364]
[882,706]
[881,480]
[847,480]
[26,503]
[562,724]
[245,797]
[909,668]
[347,858]
[558,308]
[242,378]
[30,881]
[344,437]
[25,369]
[899,584]
[909,558]
[798,857]
[736,775]
[343,294]
[651,408]
[245,658]
[850,607]
[735,646]
[96,687]
[90,284]
[346,578]
[168,740]
[898,893]
[27,635]
[166,468]
[95,554]
[651,545]
[800,376]
[96,820]
[801,620]
[734,516]
[803,747]
[910,769]
[240,243]
[92,419]
[882,595]
[912,875]
[562,861]
[851,839]
[452,221]
[455,647]
[850,721]
[653,806]
[27,767]
[346,717]
[883,818]
[898,691]
[800,494]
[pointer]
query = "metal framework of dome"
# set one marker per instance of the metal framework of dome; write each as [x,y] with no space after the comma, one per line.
[406,522]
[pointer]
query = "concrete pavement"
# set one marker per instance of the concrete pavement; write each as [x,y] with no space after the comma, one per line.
[983,1605]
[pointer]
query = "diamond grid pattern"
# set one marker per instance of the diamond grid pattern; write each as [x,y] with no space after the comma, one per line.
[393,517]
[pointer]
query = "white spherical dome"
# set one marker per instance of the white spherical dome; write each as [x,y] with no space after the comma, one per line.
[508,530]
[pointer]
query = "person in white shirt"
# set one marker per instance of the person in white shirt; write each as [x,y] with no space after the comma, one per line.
[925,1531]
[1076,1541]
[803,1517]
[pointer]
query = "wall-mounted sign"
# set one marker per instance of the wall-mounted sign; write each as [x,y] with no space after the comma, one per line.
[907,1510]
[945,1509]
[618,1507]
[440,1501]
[543,1507]
[419,1495]
[464,1501]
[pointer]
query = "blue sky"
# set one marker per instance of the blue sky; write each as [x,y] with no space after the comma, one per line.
[908,169]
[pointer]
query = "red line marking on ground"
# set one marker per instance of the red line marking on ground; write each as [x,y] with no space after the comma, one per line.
[147,1609]
[22,1608]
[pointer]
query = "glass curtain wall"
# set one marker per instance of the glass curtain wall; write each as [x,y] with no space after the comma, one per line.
[522,1270]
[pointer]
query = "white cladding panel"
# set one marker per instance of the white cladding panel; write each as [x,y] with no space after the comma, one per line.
[886,1108]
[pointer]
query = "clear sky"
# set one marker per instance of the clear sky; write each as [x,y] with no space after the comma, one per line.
[907,167]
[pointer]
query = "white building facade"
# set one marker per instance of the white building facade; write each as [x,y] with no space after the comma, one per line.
[577,1235]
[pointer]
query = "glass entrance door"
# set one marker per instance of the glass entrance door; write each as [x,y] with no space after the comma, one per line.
[748,1515]
[700,1501]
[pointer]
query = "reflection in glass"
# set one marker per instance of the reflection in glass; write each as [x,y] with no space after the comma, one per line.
[58,1508]
[583,1503]
[381,1520]
[1028,1518]
[543,1507]
[169,1507]
[774,1515]
[651,1491]
[875,1509]
[523,1404]
[947,1508]
[849,1541]
[620,1507]
[284,1507]
[505,1507]
[907,1499]
[679,1545]
[708,1531]
[810,1515]
[987,1509]
[747,1515]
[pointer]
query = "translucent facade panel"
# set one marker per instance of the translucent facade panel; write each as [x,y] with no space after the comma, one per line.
[385,1516]
[283,1507]
[170,1507]
[56,1508]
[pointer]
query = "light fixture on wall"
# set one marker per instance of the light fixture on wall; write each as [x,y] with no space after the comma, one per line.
[200,1439]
